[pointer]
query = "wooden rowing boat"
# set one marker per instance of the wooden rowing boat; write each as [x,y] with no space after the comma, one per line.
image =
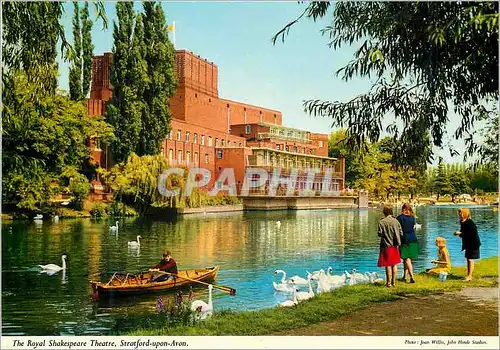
[122,284]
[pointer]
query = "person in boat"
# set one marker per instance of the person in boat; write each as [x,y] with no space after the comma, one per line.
[167,264]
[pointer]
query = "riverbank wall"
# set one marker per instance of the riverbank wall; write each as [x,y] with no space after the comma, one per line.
[299,203]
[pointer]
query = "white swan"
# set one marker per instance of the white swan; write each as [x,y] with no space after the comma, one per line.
[417,226]
[335,278]
[114,228]
[38,217]
[306,295]
[200,306]
[135,244]
[296,279]
[374,278]
[56,218]
[53,268]
[289,303]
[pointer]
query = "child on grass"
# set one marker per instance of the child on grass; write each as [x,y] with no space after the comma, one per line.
[443,261]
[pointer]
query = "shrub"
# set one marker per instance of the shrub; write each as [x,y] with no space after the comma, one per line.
[120,209]
[98,210]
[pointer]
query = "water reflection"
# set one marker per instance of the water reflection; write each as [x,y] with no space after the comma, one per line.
[248,247]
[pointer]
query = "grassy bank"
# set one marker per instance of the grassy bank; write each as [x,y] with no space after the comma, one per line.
[326,306]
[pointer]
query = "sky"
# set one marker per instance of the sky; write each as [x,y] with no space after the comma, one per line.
[236,36]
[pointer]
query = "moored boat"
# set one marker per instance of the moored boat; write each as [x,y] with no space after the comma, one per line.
[122,284]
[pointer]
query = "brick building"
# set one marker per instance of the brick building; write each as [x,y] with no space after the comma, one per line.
[214,133]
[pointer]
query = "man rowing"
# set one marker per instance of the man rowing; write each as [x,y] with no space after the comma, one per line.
[168,265]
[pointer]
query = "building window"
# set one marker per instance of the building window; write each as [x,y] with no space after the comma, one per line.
[188,157]
[219,185]
[295,149]
[216,142]
[278,146]
[219,154]
[179,157]
[203,140]
[240,144]
[234,143]
[195,138]
[196,158]
[187,136]
[179,135]
[169,135]
[223,142]
[210,141]
[286,148]
[248,129]
[321,144]
[170,155]
[206,158]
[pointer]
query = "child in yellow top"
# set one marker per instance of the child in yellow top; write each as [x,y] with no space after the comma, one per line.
[443,261]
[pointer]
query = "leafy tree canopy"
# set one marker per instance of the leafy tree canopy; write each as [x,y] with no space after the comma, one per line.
[427,59]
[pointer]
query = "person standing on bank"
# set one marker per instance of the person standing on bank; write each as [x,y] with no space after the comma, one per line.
[409,244]
[390,232]
[470,239]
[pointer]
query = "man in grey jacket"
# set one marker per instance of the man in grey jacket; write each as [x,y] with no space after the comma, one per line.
[390,233]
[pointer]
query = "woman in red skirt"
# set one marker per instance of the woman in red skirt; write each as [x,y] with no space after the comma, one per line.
[390,233]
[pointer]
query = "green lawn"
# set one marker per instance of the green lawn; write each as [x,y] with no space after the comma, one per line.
[324,307]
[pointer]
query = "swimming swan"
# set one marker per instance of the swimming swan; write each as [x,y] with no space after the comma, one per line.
[53,268]
[114,228]
[135,244]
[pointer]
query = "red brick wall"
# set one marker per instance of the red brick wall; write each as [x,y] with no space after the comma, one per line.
[101,86]
[235,158]
[196,73]
[316,138]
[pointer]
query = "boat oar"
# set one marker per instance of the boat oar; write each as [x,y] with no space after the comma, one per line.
[229,290]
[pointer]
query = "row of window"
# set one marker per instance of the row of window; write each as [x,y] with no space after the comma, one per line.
[188,157]
[293,149]
[202,140]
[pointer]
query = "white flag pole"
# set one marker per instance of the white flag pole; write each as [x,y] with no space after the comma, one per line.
[174,32]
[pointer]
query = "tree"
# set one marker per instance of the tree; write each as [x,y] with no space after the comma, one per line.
[337,148]
[30,33]
[459,184]
[160,60]
[75,71]
[135,182]
[424,56]
[87,50]
[42,134]
[128,76]
[441,182]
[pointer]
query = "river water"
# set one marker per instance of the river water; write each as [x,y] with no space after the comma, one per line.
[247,247]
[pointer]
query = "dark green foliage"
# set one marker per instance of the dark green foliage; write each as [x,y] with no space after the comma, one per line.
[41,136]
[128,76]
[75,71]
[441,183]
[160,60]
[424,57]
[87,50]
[98,210]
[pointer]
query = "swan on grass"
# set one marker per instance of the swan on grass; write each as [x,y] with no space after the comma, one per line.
[305,295]
[135,244]
[200,306]
[289,303]
[114,228]
[50,269]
